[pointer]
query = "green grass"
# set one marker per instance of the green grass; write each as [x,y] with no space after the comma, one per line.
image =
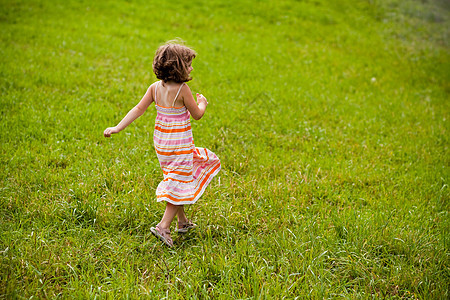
[331,119]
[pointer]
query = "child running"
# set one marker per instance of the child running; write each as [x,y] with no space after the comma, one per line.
[187,169]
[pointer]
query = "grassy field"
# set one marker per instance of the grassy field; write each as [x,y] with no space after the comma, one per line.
[331,119]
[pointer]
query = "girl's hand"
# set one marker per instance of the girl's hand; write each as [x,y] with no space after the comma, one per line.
[110,130]
[201,99]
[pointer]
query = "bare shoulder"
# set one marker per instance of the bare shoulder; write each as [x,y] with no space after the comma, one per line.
[151,89]
[185,91]
[152,86]
[186,88]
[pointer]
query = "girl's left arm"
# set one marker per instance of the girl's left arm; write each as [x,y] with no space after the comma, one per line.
[133,114]
[196,109]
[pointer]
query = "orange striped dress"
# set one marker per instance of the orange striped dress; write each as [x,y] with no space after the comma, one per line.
[187,169]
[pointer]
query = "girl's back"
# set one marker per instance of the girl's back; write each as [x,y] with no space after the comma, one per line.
[166,93]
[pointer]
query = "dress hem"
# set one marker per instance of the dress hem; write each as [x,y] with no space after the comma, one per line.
[211,176]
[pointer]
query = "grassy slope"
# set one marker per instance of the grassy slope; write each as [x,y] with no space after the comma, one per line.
[330,118]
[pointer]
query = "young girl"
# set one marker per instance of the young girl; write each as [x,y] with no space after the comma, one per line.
[187,169]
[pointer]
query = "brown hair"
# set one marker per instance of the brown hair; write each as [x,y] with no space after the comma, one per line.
[171,62]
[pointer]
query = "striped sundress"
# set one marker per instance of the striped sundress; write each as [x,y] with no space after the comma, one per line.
[187,169]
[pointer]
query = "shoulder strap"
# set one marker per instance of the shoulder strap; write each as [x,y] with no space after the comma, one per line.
[156,88]
[179,90]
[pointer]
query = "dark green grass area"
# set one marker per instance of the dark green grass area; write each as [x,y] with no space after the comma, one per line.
[331,120]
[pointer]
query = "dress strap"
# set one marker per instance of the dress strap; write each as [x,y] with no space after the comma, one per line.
[179,90]
[156,88]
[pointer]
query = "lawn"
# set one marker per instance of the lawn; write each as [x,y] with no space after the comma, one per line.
[331,120]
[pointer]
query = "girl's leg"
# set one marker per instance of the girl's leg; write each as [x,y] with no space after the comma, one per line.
[169,214]
[181,215]
[184,225]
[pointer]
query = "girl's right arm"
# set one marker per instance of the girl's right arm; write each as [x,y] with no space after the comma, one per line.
[133,114]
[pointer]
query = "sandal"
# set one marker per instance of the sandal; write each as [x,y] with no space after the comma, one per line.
[185,227]
[163,235]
